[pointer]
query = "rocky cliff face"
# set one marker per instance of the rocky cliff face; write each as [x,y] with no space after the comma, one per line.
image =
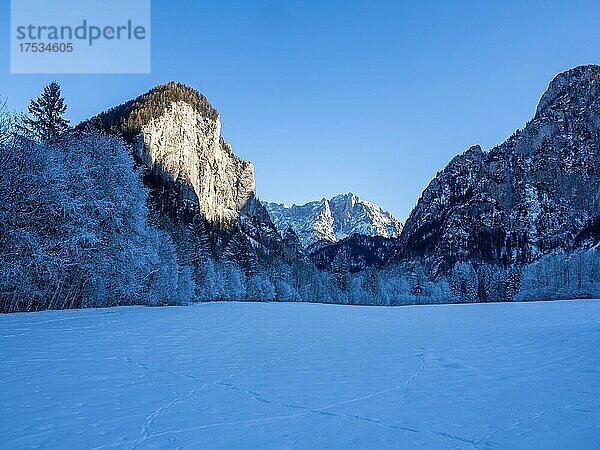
[176,134]
[532,194]
[189,148]
[332,220]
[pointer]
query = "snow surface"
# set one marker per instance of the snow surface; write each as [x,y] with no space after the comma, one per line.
[268,375]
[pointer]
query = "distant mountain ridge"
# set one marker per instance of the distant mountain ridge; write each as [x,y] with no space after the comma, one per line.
[335,219]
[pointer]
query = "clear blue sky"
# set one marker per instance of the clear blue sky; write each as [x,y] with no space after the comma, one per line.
[338,96]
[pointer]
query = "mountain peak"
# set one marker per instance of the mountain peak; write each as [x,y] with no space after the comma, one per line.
[349,197]
[526,197]
[571,89]
[176,134]
[334,219]
[174,91]
[128,118]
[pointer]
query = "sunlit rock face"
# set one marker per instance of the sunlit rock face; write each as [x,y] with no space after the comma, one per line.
[188,147]
[176,135]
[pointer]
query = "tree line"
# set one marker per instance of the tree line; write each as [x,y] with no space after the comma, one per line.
[75,232]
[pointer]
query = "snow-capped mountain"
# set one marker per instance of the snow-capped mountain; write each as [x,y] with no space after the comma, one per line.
[332,220]
[537,192]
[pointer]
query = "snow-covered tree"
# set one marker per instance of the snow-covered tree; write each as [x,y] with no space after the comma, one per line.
[464,283]
[5,124]
[419,280]
[372,288]
[233,281]
[210,286]
[562,276]
[74,231]
[260,289]
[340,270]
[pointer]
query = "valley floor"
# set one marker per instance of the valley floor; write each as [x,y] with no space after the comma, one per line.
[268,375]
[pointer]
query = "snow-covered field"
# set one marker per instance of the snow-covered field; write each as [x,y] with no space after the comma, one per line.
[238,375]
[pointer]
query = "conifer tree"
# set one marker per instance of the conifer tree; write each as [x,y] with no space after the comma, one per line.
[340,270]
[46,121]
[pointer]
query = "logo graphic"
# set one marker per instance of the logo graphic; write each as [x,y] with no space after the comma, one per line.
[71,36]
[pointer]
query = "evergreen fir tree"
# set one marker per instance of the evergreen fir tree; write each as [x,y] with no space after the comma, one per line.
[46,121]
[340,270]
[418,283]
